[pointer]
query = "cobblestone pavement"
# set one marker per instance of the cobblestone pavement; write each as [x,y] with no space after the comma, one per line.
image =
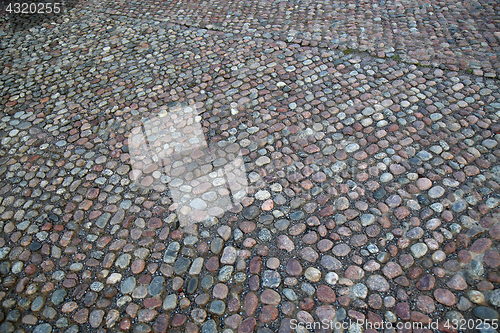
[239,166]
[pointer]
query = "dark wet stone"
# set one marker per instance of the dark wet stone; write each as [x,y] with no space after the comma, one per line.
[34,246]
[7,327]
[13,315]
[415,161]
[181,265]
[5,268]
[250,212]
[484,312]
[192,285]
[216,245]
[423,200]
[266,219]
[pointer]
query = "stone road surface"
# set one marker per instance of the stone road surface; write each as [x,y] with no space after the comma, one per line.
[243,166]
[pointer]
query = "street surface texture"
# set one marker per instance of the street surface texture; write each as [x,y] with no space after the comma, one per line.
[241,166]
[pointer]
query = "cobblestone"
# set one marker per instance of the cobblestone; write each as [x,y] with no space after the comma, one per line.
[182,166]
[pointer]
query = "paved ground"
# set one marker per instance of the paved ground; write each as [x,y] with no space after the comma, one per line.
[236,166]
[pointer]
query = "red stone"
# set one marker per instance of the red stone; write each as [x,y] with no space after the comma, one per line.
[492,258]
[426,283]
[179,320]
[403,310]
[247,326]
[268,314]
[480,245]
[445,297]
[325,294]
[250,303]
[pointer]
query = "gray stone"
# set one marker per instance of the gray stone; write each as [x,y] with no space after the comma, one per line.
[209,327]
[192,285]
[415,233]
[196,267]
[171,252]
[495,298]
[359,290]
[342,203]
[475,268]
[128,285]
[459,206]
[37,304]
[265,235]
[217,307]
[419,250]
[142,328]
[271,279]
[250,212]
[298,215]
[484,312]
[102,220]
[49,313]
[290,294]
[123,261]
[58,296]
[436,192]
[331,263]
[386,177]
[367,219]
[351,148]
[156,286]
[225,273]
[7,327]
[207,282]
[307,288]
[377,283]
[198,204]
[282,224]
[489,143]
[170,302]
[181,265]
[216,245]
[72,329]
[424,155]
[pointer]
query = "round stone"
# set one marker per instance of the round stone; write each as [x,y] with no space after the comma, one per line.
[377,283]
[419,250]
[250,212]
[445,297]
[436,192]
[341,250]
[312,274]
[423,184]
